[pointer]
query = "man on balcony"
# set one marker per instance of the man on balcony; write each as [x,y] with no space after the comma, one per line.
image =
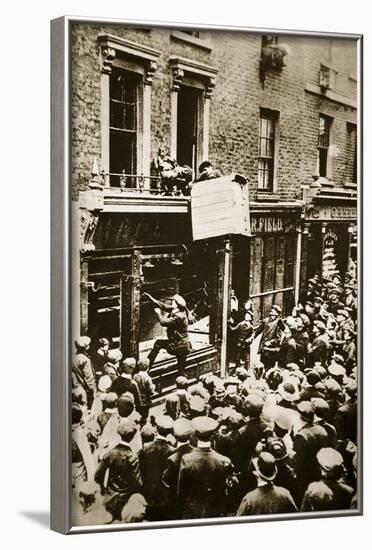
[176,320]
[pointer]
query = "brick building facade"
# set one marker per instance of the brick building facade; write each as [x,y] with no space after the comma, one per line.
[279,110]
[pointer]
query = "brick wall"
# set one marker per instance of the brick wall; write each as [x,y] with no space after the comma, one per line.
[238,96]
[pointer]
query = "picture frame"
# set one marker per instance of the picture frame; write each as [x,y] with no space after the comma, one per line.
[85,193]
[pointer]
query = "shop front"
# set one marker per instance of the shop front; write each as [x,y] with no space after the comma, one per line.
[264,268]
[330,233]
[136,253]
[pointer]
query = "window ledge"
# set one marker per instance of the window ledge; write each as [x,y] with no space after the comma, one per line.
[204,43]
[267,196]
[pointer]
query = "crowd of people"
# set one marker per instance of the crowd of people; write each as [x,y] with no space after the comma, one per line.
[277,435]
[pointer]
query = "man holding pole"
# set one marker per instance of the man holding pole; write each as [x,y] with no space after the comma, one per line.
[175,318]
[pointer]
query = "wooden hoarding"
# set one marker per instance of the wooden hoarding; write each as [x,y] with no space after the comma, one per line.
[219,206]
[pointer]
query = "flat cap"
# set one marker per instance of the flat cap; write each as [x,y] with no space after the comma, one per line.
[329,459]
[306,410]
[241,373]
[283,421]
[114,355]
[277,308]
[231,381]
[104,383]
[204,426]
[318,299]
[127,429]
[103,342]
[182,428]
[253,405]
[336,370]
[181,382]
[197,404]
[82,343]
[164,422]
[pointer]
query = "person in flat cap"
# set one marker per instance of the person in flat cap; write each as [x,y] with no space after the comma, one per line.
[232,399]
[175,318]
[146,388]
[349,350]
[88,508]
[125,383]
[319,312]
[301,337]
[318,349]
[183,430]
[310,392]
[99,357]
[123,477]
[306,443]
[254,429]
[244,335]
[330,493]
[346,415]
[322,415]
[153,460]
[334,303]
[204,476]
[207,171]
[83,374]
[181,390]
[267,498]
[271,330]
[112,364]
[337,372]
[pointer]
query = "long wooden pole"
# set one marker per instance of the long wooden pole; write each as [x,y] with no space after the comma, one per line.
[225,306]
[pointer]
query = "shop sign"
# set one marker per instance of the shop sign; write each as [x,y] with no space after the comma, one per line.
[335,213]
[271,224]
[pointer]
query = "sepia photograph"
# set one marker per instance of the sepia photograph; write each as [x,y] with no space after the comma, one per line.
[214,364]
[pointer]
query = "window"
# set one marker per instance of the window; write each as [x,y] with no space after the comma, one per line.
[187,126]
[266,150]
[201,39]
[323,144]
[123,125]
[351,152]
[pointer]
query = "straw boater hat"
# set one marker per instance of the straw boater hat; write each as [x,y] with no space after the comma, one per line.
[288,391]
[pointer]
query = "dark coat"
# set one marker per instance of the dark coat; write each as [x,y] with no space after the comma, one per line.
[331,431]
[327,494]
[249,435]
[346,421]
[203,482]
[268,499]
[271,332]
[306,443]
[124,477]
[83,374]
[153,460]
[319,349]
[122,384]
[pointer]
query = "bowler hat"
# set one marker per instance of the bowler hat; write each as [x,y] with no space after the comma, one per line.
[265,466]
[276,447]
[125,406]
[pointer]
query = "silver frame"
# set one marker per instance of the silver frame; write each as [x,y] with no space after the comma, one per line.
[61,278]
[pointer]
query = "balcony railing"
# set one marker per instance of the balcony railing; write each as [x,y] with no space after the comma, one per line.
[141,184]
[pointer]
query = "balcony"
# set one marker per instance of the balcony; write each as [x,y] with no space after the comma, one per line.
[135,193]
